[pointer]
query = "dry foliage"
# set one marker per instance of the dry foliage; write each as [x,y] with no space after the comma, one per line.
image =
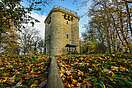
[96,71]
[24,72]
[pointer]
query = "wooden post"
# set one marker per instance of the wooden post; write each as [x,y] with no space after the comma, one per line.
[54,80]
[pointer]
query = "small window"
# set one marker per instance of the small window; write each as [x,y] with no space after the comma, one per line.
[67,22]
[67,36]
[69,18]
[65,17]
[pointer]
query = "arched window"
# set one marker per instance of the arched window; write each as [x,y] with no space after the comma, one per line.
[65,16]
[66,34]
[69,18]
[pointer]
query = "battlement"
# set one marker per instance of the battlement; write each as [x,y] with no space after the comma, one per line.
[63,10]
[66,10]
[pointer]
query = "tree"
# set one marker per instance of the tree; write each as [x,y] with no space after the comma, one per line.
[110,22]
[29,39]
[41,46]
[12,16]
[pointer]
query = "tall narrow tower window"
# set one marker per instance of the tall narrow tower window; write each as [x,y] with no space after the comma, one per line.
[65,16]
[67,22]
[67,36]
[69,18]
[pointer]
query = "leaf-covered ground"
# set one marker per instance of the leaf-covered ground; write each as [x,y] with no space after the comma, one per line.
[96,71]
[23,72]
[75,71]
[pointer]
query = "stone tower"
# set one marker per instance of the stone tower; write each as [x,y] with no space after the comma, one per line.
[61,31]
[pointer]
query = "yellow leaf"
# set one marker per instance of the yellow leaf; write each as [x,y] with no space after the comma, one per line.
[122,68]
[74,81]
[114,68]
[5,79]
[62,70]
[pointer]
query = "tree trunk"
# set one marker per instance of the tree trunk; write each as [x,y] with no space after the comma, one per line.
[128,16]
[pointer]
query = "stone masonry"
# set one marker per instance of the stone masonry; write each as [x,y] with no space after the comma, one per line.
[61,28]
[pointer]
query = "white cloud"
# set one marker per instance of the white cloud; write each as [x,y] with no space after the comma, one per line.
[39,25]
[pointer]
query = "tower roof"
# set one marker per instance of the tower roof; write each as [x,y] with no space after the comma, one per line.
[63,10]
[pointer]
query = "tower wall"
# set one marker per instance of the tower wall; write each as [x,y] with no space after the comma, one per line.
[57,38]
[75,32]
[60,31]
